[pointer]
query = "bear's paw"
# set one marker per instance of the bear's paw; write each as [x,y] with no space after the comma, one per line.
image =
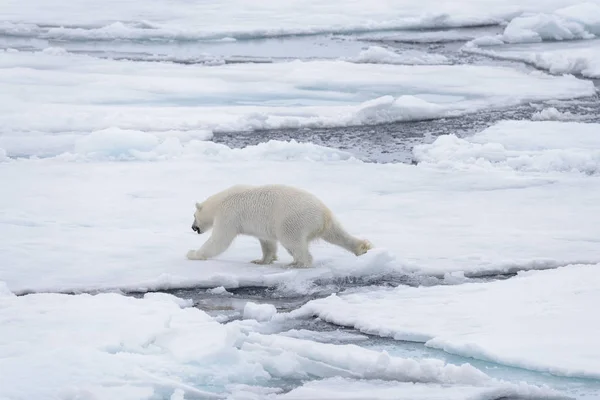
[363,247]
[193,255]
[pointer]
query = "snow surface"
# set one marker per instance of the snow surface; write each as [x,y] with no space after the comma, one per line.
[73,96]
[111,346]
[538,320]
[521,145]
[519,195]
[235,19]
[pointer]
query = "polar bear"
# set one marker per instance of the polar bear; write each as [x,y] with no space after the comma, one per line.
[271,213]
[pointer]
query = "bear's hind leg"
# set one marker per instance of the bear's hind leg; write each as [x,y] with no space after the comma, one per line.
[336,235]
[299,251]
[269,251]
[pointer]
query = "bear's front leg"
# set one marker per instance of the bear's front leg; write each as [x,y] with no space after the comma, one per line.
[218,242]
[269,250]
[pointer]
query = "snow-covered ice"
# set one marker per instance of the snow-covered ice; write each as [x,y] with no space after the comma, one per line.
[73,95]
[519,195]
[578,58]
[110,346]
[539,320]
[577,21]
[327,336]
[521,145]
[580,21]
[259,312]
[552,114]
[381,55]
[113,19]
[219,290]
[106,124]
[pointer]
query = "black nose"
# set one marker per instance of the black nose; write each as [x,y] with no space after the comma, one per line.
[196,229]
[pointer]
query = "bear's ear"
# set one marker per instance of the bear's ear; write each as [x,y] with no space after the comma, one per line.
[198,206]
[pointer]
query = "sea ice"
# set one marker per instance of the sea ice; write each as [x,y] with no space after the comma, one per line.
[552,114]
[519,195]
[83,104]
[578,21]
[220,290]
[538,320]
[521,145]
[581,21]
[235,19]
[109,346]
[578,58]
[259,312]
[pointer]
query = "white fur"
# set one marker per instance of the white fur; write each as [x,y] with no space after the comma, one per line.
[271,213]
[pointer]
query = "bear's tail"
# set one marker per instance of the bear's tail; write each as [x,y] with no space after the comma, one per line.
[335,234]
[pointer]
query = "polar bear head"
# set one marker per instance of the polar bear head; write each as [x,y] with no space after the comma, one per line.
[205,214]
[203,219]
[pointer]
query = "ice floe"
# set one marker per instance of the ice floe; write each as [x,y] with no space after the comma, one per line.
[519,195]
[538,320]
[80,103]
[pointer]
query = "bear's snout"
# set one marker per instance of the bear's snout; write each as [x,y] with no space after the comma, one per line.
[196,229]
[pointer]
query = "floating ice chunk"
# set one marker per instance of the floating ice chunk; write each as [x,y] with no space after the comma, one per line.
[325,336]
[485,320]
[220,290]
[521,145]
[350,360]
[486,41]
[580,21]
[381,55]
[455,277]
[572,61]
[552,114]
[259,312]
[403,108]
[55,51]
